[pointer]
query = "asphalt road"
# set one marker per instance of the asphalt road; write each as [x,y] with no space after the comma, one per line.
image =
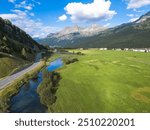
[9,79]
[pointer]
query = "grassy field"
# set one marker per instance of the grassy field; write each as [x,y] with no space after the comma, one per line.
[8,65]
[105,81]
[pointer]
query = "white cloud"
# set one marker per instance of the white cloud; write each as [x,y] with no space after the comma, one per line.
[98,10]
[133,19]
[130,15]
[29,7]
[36,2]
[33,27]
[9,16]
[17,15]
[138,11]
[133,4]
[31,14]
[11,1]
[63,18]
[107,25]
[24,5]
[20,13]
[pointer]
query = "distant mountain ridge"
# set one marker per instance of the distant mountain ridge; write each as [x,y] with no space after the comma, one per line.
[130,35]
[87,31]
[13,40]
[70,34]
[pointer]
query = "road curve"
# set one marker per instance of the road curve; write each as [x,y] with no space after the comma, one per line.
[8,80]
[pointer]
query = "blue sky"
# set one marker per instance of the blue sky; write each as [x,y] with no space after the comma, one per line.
[41,17]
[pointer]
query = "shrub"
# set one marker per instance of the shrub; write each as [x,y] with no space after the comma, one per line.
[72,61]
[48,87]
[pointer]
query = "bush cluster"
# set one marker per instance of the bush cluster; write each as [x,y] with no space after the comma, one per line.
[48,87]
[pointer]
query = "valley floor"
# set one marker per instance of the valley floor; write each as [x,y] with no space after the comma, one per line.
[105,81]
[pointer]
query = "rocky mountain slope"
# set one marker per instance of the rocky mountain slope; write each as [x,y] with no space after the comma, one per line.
[131,35]
[70,35]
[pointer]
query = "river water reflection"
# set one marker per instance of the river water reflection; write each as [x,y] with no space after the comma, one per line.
[28,100]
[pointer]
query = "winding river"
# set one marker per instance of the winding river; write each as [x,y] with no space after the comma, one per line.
[28,100]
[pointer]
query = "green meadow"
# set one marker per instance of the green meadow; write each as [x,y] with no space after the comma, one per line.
[9,65]
[104,81]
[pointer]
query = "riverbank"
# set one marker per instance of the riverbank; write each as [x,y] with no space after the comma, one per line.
[28,100]
[13,88]
[48,88]
[51,78]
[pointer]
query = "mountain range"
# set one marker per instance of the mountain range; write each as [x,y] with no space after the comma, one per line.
[130,35]
[71,35]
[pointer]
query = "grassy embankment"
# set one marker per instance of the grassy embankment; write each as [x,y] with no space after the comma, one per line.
[50,84]
[48,88]
[9,65]
[12,89]
[105,81]
[64,57]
